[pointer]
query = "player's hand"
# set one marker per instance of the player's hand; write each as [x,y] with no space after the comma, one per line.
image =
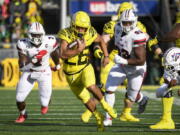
[172,83]
[56,68]
[105,61]
[81,45]
[120,60]
[98,53]
[153,44]
[39,56]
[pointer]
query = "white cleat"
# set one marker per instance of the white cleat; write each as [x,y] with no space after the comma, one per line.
[107,122]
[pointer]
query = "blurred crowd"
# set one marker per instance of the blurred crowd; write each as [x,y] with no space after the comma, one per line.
[15,16]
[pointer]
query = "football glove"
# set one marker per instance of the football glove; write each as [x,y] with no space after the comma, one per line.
[98,53]
[153,44]
[120,60]
[39,56]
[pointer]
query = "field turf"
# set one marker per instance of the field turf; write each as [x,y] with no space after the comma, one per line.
[64,114]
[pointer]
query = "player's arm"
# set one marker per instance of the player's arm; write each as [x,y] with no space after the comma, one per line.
[140,56]
[106,37]
[103,48]
[173,35]
[66,52]
[97,50]
[22,60]
[55,58]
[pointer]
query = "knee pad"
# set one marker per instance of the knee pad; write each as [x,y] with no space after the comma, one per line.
[162,90]
[169,94]
[134,96]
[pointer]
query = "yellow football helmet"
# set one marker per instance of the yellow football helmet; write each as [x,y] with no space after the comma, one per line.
[124,6]
[80,19]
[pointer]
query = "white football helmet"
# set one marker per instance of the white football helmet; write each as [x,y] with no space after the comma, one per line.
[36,33]
[128,16]
[171,60]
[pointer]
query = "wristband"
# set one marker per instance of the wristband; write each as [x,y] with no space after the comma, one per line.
[58,67]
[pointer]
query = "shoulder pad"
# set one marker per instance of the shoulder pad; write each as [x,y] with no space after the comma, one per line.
[65,34]
[139,38]
[109,27]
[92,32]
[141,26]
[51,40]
[22,45]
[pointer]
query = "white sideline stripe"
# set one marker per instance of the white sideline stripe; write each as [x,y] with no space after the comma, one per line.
[152,95]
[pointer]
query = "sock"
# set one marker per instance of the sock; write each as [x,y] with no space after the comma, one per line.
[23,112]
[110,99]
[167,107]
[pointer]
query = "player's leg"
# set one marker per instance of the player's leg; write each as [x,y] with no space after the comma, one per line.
[23,89]
[88,79]
[104,74]
[84,96]
[45,90]
[115,78]
[166,121]
[132,95]
[85,117]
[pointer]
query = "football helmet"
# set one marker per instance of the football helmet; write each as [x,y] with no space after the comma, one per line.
[80,19]
[36,33]
[124,6]
[171,61]
[128,16]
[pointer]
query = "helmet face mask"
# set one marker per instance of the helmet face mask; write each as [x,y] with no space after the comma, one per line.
[36,33]
[172,61]
[80,22]
[128,20]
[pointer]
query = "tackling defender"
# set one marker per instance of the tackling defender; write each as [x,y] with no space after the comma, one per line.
[166,121]
[171,76]
[34,53]
[76,66]
[130,64]
[108,35]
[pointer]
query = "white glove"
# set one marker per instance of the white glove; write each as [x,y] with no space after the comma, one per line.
[119,60]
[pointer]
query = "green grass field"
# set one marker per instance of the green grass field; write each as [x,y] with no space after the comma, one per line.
[64,113]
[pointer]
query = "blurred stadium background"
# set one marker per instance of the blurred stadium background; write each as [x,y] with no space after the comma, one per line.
[158,16]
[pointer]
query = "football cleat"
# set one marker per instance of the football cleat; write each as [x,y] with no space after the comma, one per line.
[100,124]
[44,110]
[110,111]
[128,117]
[85,117]
[107,122]
[21,118]
[143,104]
[164,124]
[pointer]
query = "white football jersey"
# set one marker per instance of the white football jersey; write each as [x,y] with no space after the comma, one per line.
[49,44]
[169,77]
[126,44]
